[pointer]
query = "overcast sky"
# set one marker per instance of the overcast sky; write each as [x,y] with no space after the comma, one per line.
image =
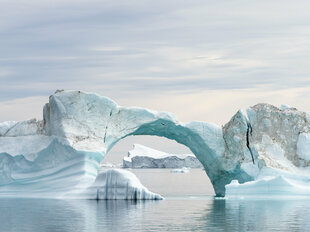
[201,60]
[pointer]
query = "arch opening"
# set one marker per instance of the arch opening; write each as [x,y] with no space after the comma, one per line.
[161,180]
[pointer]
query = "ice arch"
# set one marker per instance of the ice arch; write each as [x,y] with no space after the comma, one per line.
[93,123]
[61,154]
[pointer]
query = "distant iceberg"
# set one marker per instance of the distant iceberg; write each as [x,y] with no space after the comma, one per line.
[180,170]
[145,157]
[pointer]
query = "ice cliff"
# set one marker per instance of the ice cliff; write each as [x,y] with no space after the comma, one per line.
[60,156]
[145,157]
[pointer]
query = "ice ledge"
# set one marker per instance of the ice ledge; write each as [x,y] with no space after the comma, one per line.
[270,186]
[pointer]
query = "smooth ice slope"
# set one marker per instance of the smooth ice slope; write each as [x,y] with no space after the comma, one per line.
[60,156]
[145,157]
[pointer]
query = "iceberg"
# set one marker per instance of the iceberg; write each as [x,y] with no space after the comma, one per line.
[60,156]
[180,170]
[145,157]
[118,184]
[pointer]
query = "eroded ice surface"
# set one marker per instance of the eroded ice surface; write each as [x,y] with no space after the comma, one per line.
[146,157]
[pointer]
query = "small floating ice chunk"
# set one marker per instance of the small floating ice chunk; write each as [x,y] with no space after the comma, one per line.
[180,170]
[109,165]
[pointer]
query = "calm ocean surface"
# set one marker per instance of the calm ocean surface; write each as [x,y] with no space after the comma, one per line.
[178,212]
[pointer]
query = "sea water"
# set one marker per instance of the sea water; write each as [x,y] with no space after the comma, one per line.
[185,208]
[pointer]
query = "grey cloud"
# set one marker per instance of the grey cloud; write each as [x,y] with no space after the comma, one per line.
[161,46]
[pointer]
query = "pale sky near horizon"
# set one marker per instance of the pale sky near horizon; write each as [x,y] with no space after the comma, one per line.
[201,60]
